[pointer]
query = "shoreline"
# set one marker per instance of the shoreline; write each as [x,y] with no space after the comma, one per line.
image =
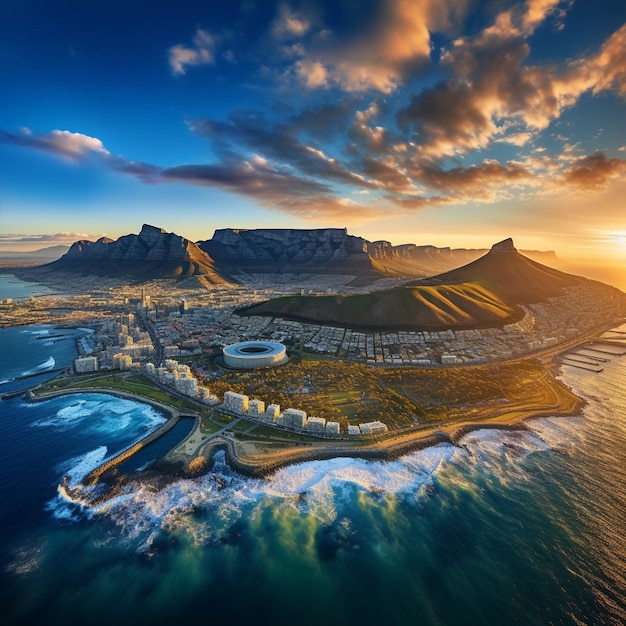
[261,464]
[258,459]
[385,450]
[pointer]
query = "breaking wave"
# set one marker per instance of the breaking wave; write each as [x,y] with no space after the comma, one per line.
[104,414]
[321,489]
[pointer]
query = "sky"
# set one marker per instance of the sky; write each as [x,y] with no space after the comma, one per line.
[447,122]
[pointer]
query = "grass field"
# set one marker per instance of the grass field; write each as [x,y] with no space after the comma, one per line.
[139,385]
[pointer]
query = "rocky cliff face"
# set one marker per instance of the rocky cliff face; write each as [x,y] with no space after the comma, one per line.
[287,250]
[153,253]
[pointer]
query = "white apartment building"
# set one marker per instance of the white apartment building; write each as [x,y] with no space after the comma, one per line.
[85,364]
[256,408]
[333,428]
[316,424]
[294,418]
[235,402]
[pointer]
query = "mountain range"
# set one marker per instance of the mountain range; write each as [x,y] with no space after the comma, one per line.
[231,254]
[483,293]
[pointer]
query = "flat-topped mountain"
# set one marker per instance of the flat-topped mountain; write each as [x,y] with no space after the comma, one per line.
[153,253]
[330,251]
[484,293]
[234,253]
[274,250]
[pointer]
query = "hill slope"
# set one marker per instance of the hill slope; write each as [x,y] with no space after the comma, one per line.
[484,293]
[467,305]
[511,275]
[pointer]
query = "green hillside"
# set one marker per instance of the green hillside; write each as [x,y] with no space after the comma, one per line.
[466,305]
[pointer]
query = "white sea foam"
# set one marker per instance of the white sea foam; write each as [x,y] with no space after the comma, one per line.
[104,414]
[79,466]
[49,364]
[42,367]
[319,488]
[41,331]
[67,505]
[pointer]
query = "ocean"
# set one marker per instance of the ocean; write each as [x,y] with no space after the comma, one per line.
[17,289]
[511,527]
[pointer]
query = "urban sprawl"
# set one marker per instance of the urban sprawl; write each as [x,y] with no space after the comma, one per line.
[149,330]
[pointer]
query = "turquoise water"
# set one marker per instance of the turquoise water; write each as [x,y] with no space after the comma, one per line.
[510,528]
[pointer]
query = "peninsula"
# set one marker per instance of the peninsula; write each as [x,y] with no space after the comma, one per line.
[374,368]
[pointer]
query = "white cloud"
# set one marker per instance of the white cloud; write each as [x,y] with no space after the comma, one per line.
[288,24]
[312,73]
[74,145]
[201,53]
[382,53]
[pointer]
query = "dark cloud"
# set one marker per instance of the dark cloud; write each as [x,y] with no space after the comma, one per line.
[146,172]
[274,187]
[246,133]
[10,240]
[258,180]
[471,180]
[594,171]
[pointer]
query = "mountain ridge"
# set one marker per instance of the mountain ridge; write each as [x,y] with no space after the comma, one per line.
[232,253]
[482,294]
[153,253]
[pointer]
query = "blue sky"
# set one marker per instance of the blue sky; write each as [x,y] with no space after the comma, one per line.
[446,122]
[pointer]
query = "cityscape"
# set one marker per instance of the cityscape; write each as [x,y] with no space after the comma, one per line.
[301,299]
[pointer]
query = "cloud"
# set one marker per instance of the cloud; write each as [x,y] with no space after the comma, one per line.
[493,94]
[274,186]
[288,24]
[537,11]
[594,172]
[19,242]
[202,52]
[607,71]
[73,146]
[379,48]
[252,132]
[312,73]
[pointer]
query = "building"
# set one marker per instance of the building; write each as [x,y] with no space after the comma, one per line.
[205,395]
[448,359]
[294,418]
[316,424]
[122,361]
[373,428]
[186,385]
[333,428]
[256,408]
[85,364]
[272,412]
[353,431]
[236,402]
[253,354]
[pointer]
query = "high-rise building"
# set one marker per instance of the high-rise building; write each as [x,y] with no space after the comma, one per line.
[85,364]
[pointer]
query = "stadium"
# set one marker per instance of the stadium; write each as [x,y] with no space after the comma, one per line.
[253,354]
